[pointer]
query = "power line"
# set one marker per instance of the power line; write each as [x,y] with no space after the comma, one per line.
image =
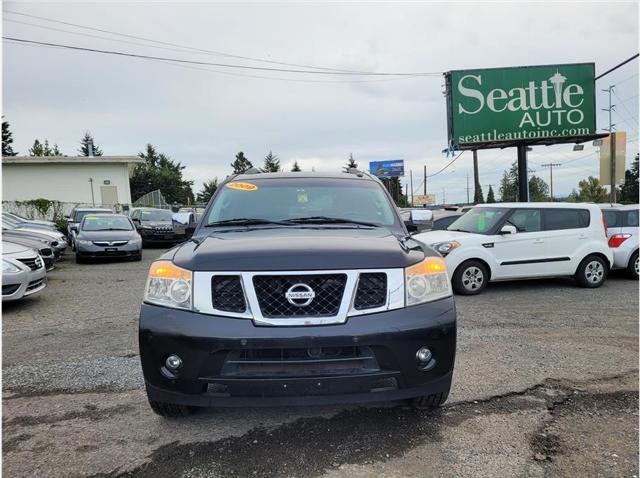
[194,62]
[450,163]
[617,66]
[214,52]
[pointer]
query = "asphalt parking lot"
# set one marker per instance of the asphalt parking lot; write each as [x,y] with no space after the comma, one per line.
[546,384]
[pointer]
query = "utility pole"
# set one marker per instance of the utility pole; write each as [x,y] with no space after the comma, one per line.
[612,146]
[425,180]
[468,188]
[551,166]
[411,184]
[93,201]
[444,200]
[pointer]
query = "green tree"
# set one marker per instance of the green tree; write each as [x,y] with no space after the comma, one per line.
[7,140]
[296,167]
[159,171]
[590,190]
[629,190]
[538,189]
[478,197]
[490,196]
[351,163]
[271,163]
[509,184]
[241,164]
[208,189]
[85,142]
[43,149]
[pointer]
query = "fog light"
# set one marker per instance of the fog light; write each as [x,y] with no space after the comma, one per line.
[173,362]
[423,355]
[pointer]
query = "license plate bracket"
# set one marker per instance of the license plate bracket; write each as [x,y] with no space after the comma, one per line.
[111,249]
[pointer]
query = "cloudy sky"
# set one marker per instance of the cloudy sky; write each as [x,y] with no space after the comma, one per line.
[203,115]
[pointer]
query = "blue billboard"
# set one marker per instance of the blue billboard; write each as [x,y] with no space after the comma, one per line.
[387,169]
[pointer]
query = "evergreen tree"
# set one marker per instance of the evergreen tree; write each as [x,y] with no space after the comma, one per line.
[296,167]
[55,151]
[478,197]
[271,163]
[7,140]
[538,189]
[629,190]
[590,190]
[509,184]
[208,189]
[37,149]
[159,171]
[87,140]
[490,196]
[241,164]
[351,163]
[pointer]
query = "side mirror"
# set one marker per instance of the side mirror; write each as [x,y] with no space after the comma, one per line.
[189,230]
[508,229]
[411,227]
[136,221]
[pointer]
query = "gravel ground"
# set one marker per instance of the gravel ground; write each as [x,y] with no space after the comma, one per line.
[545,384]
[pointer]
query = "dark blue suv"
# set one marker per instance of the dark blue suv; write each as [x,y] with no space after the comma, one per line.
[297,289]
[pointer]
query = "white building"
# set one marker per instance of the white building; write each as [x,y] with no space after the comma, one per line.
[96,180]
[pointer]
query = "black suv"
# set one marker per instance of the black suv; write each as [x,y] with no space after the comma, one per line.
[297,289]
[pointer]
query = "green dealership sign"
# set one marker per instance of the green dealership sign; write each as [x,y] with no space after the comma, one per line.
[533,104]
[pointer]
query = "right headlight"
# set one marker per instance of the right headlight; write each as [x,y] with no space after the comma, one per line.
[169,285]
[426,281]
[9,268]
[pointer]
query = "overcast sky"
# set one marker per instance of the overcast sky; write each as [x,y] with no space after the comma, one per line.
[202,116]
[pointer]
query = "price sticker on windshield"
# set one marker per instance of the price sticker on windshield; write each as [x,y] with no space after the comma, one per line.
[242,186]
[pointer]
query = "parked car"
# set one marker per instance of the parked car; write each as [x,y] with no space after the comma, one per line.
[156,225]
[74,219]
[41,247]
[622,231]
[443,219]
[297,288]
[107,235]
[23,272]
[19,223]
[17,217]
[57,241]
[507,241]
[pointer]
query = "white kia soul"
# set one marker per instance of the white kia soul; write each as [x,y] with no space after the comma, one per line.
[507,241]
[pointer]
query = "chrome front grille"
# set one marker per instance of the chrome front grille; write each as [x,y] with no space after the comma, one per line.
[33,263]
[109,243]
[282,298]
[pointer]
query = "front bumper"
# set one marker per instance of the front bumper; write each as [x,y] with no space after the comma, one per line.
[23,284]
[93,251]
[224,360]
[151,235]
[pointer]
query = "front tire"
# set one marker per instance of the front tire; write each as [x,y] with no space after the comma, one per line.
[592,272]
[632,267]
[470,278]
[169,410]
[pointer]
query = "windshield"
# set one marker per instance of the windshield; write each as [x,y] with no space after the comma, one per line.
[479,220]
[106,223]
[307,200]
[81,214]
[156,215]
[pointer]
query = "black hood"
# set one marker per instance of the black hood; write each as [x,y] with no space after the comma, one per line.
[266,249]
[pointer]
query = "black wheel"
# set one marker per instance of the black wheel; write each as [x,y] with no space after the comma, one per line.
[470,278]
[79,260]
[632,267]
[138,257]
[170,410]
[592,272]
[429,402]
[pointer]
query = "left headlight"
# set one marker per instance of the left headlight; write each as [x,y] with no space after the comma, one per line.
[9,268]
[169,285]
[445,248]
[427,281]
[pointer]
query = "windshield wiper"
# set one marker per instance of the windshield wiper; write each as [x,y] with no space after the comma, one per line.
[243,222]
[458,230]
[328,220]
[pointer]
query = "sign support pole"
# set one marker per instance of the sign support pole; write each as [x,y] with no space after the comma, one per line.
[476,178]
[523,183]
